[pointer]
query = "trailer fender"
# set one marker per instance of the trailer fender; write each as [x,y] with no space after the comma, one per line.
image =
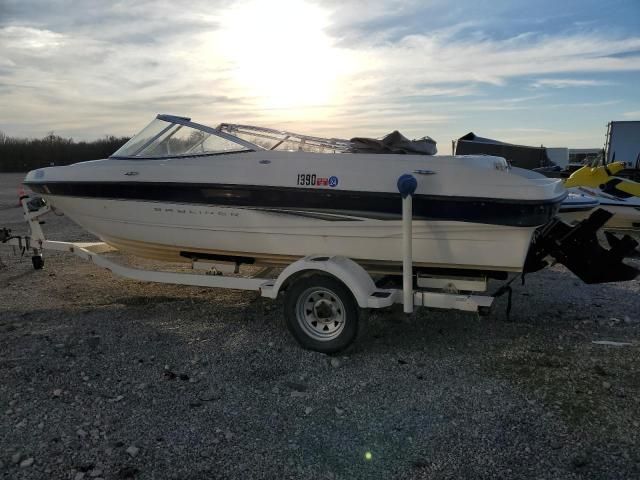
[356,278]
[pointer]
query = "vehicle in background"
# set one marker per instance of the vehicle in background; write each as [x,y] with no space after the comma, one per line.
[579,157]
[521,156]
[585,156]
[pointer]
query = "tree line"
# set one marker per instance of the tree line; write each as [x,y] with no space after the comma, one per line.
[23,154]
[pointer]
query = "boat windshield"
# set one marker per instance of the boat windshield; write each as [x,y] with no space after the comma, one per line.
[172,136]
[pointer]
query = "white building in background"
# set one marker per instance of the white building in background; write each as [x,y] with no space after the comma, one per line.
[623,142]
[558,155]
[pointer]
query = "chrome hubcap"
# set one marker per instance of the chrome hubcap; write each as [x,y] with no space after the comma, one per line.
[320,313]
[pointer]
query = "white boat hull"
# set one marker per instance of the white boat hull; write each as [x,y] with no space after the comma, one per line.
[626,211]
[163,230]
[624,217]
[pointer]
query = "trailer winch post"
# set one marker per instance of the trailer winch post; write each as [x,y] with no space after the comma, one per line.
[407,185]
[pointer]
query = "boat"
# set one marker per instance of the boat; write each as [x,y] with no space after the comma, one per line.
[577,206]
[626,211]
[179,191]
[616,194]
[605,178]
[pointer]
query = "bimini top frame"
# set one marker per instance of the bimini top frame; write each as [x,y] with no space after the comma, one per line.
[272,139]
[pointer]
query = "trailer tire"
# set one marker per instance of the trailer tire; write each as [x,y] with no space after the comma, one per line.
[38,262]
[321,313]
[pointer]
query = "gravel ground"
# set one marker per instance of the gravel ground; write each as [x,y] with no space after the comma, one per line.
[109,378]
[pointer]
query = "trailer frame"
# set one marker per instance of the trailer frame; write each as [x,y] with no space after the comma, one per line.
[441,293]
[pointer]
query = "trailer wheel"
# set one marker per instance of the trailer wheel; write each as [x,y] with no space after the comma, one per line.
[321,313]
[37,261]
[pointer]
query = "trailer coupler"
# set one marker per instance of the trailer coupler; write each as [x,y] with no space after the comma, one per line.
[577,248]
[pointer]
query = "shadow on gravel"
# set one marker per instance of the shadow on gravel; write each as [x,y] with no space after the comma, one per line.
[21,277]
[96,382]
[208,383]
[135,301]
[594,390]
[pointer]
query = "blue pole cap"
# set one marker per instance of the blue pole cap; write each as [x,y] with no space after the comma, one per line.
[407,185]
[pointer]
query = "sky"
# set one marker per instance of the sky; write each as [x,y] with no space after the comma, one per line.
[547,73]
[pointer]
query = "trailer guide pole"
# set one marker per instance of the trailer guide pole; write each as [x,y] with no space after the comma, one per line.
[407,185]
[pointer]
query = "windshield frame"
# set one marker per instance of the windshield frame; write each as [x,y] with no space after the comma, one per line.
[173,120]
[304,143]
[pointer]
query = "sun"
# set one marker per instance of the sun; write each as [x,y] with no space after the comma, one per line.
[279,52]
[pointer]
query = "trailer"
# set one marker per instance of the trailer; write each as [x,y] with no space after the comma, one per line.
[325,296]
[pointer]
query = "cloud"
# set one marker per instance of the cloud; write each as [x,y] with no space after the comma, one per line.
[596,104]
[634,115]
[89,68]
[433,58]
[28,38]
[569,83]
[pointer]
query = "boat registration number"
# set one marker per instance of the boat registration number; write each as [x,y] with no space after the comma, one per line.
[313,180]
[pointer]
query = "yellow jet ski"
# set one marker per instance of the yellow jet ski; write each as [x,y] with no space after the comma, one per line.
[603,177]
